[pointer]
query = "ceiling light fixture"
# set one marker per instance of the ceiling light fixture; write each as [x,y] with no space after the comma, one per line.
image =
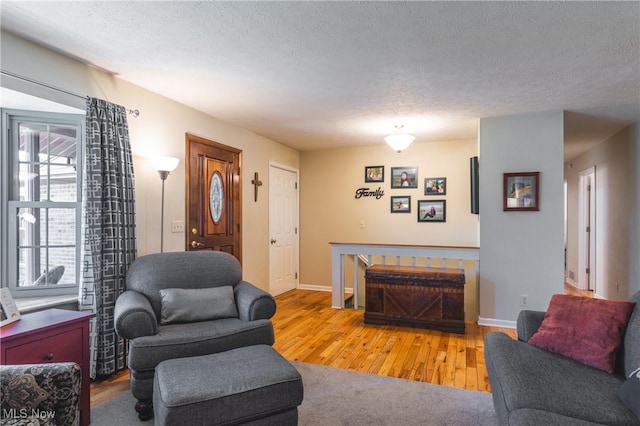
[399,141]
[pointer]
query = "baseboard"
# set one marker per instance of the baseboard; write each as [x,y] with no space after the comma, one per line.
[572,282]
[492,322]
[321,288]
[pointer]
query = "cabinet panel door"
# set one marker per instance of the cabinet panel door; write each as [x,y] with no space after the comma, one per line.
[59,348]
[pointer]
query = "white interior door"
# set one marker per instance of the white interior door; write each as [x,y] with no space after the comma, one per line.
[587,229]
[283,229]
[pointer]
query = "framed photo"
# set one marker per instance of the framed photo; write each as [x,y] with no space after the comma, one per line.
[401,204]
[374,174]
[435,186]
[404,177]
[432,210]
[521,192]
[8,310]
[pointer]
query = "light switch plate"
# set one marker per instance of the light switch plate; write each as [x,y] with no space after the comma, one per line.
[177,226]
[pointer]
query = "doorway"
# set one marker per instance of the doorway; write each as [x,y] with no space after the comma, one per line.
[587,229]
[283,229]
[214,206]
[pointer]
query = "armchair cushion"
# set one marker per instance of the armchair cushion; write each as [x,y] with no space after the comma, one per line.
[586,330]
[253,303]
[181,305]
[629,393]
[53,390]
[629,359]
[134,316]
[528,324]
[190,270]
[197,338]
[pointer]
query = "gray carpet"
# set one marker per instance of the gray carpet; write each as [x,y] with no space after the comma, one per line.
[339,397]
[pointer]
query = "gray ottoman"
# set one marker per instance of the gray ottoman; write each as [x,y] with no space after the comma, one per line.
[251,385]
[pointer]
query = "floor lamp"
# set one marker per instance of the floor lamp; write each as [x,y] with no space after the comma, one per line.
[164,166]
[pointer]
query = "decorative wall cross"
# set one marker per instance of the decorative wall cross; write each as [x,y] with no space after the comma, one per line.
[256,183]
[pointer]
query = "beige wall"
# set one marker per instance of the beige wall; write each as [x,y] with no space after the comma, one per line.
[614,175]
[329,211]
[160,130]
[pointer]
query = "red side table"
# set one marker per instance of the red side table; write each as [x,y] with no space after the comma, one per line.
[52,335]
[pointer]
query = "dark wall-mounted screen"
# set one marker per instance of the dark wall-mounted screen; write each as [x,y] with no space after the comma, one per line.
[475,185]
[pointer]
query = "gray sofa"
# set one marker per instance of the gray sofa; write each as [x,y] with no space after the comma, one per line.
[531,386]
[140,313]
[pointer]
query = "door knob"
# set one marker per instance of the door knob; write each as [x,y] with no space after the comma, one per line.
[196,244]
[273,241]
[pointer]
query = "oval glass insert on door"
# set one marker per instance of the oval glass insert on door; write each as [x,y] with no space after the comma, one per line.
[216,197]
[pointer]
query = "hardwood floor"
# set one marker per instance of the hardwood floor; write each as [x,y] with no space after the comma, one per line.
[307,329]
[103,390]
[569,289]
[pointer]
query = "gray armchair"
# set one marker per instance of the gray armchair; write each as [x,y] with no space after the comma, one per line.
[40,394]
[185,304]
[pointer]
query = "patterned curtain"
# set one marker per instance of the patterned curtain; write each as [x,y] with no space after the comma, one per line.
[108,229]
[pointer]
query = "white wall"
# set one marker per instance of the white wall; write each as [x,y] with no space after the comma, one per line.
[160,130]
[521,252]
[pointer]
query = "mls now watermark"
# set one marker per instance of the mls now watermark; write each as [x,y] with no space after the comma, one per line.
[23,413]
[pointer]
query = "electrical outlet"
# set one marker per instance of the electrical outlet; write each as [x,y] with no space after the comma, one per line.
[177,226]
[524,300]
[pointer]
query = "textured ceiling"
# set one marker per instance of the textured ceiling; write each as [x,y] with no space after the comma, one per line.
[316,75]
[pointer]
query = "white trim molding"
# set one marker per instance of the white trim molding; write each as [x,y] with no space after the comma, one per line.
[492,322]
[314,287]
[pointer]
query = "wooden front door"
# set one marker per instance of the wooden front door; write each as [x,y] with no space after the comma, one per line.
[214,207]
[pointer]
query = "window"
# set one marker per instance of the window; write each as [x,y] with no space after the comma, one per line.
[41,202]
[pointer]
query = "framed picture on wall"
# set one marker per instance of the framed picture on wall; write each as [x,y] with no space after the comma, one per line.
[8,310]
[374,174]
[404,177]
[432,211]
[435,186]
[401,204]
[521,191]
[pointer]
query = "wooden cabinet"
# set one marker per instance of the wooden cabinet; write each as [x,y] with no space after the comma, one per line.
[415,296]
[53,335]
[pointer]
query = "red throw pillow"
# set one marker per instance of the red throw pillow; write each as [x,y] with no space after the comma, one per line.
[587,330]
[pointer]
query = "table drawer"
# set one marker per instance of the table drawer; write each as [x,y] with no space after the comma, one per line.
[62,347]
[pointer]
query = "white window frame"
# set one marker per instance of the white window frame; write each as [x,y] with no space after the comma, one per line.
[9,206]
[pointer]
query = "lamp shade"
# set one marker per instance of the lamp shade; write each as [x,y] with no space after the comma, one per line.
[164,164]
[399,141]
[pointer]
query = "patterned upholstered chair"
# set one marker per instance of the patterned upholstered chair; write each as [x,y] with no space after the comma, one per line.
[40,394]
[185,304]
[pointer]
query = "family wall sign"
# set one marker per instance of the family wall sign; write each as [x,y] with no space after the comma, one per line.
[367,192]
